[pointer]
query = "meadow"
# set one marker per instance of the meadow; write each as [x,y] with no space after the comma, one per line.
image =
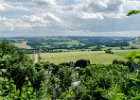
[95,57]
[23,45]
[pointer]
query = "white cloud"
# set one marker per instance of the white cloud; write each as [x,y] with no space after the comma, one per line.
[97,16]
[131,4]
[35,21]
[102,8]
[52,2]
[32,18]
[43,19]
[53,16]
[4,6]
[12,24]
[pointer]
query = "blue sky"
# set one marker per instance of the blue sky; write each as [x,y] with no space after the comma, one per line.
[69,17]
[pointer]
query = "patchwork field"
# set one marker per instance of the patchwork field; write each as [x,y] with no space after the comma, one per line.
[95,57]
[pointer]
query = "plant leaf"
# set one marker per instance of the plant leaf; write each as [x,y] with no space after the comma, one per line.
[133,12]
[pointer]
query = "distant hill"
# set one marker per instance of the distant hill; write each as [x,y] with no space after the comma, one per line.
[74,43]
[137,40]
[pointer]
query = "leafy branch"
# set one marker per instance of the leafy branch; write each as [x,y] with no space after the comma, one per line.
[133,12]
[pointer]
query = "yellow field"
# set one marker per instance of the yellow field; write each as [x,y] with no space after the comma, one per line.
[95,57]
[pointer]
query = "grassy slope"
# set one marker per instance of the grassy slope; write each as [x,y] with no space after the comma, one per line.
[22,45]
[96,57]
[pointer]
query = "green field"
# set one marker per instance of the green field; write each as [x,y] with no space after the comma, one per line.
[95,57]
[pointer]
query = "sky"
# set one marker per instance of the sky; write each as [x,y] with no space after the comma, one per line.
[69,17]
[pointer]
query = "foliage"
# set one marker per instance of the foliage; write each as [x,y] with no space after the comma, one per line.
[21,79]
[119,62]
[133,12]
[82,63]
[109,52]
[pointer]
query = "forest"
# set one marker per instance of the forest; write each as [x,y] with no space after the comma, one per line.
[21,78]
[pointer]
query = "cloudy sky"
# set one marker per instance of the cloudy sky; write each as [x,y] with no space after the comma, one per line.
[68,17]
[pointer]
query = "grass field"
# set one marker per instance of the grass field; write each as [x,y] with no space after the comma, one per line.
[95,57]
[22,45]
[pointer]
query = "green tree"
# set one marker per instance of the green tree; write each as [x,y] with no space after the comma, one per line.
[82,63]
[20,78]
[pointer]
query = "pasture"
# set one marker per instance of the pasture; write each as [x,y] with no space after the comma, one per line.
[95,57]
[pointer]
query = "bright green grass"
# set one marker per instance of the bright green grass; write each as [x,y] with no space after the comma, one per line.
[95,57]
[123,52]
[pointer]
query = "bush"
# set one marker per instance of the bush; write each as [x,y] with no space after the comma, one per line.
[81,63]
[118,62]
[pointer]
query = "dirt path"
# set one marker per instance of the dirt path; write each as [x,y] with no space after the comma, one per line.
[36,58]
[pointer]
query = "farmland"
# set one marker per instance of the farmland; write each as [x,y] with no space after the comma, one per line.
[95,57]
[66,49]
[47,44]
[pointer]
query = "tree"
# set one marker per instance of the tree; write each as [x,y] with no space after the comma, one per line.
[119,62]
[17,71]
[82,63]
